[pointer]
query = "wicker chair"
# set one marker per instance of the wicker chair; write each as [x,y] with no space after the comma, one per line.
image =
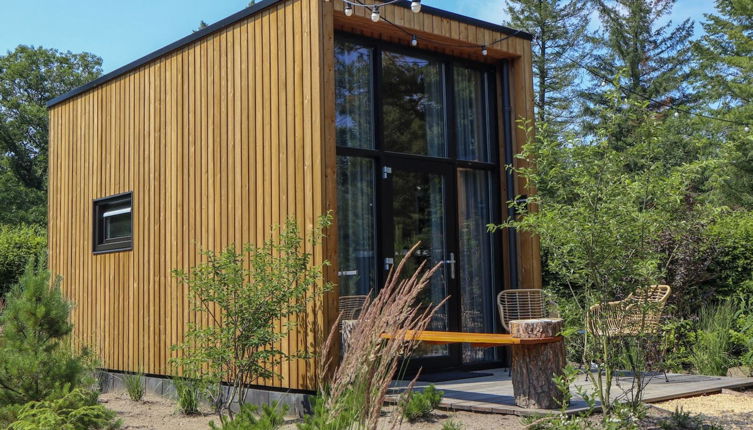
[350,309]
[524,304]
[638,313]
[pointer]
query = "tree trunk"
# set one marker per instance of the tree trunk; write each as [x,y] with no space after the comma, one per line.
[534,366]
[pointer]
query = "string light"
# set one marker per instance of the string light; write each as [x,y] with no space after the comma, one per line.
[348,9]
[375,14]
[414,41]
[484,51]
[415,6]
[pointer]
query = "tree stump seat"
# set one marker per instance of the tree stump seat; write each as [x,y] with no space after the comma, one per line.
[538,355]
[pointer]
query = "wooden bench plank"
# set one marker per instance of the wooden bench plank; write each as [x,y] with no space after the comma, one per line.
[479,340]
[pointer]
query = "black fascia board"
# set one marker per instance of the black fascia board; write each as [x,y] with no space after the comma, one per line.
[245,13]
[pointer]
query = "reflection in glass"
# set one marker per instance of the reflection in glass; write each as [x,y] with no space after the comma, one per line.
[419,215]
[354,96]
[471,115]
[477,254]
[356,225]
[414,105]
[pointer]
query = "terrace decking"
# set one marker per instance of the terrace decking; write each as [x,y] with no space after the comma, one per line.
[494,394]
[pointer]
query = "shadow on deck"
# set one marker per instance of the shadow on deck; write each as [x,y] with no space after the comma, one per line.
[494,393]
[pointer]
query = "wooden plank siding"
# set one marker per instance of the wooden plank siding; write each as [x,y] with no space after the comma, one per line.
[218,140]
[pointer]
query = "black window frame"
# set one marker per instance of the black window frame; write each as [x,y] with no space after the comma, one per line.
[100,245]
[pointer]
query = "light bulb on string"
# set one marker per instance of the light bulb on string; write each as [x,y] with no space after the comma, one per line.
[348,9]
[375,14]
[415,6]
[414,41]
[484,51]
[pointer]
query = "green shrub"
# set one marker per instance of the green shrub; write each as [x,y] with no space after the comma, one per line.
[72,410]
[19,245]
[324,418]
[452,425]
[134,383]
[34,358]
[253,289]
[680,420]
[711,347]
[419,405]
[271,418]
[190,392]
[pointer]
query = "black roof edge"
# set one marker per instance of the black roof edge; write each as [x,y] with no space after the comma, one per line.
[245,13]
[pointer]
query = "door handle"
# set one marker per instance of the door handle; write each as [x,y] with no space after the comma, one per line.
[451,262]
[388,262]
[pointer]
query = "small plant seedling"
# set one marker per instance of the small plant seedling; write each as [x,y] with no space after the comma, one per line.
[134,383]
[419,405]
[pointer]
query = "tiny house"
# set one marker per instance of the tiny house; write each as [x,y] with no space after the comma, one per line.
[401,124]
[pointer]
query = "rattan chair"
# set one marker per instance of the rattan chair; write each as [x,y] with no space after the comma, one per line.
[524,304]
[350,309]
[639,313]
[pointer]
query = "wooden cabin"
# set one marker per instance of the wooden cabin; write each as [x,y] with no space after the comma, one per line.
[292,108]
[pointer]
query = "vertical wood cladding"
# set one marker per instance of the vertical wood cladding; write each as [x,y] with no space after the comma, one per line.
[218,140]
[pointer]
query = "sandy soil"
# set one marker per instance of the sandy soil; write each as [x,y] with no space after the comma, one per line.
[158,413]
[153,413]
[732,411]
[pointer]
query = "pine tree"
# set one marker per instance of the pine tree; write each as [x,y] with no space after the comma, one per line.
[559,29]
[34,360]
[725,67]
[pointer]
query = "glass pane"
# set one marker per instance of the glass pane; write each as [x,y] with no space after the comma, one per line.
[419,208]
[356,225]
[477,257]
[414,105]
[471,110]
[118,226]
[354,96]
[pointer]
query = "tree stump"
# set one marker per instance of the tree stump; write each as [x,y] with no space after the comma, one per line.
[534,365]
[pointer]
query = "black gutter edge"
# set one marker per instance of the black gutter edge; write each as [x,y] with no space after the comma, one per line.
[245,13]
[225,22]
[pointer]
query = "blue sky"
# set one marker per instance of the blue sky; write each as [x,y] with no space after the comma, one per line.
[122,31]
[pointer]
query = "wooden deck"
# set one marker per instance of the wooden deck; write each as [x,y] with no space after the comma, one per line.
[494,394]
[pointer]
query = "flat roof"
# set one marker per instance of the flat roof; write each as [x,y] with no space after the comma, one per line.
[250,11]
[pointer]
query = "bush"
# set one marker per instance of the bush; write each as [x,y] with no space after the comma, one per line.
[71,410]
[419,405]
[271,418]
[680,420]
[19,245]
[452,425]
[253,289]
[34,358]
[324,418]
[134,383]
[711,350]
[189,391]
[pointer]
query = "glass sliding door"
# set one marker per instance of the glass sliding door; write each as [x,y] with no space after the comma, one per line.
[477,252]
[356,198]
[417,162]
[419,214]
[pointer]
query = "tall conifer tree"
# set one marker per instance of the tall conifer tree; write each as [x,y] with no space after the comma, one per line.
[559,28]
[725,70]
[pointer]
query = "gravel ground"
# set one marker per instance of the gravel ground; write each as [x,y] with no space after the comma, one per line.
[731,410]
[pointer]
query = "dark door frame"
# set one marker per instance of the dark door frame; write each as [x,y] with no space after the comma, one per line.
[448,165]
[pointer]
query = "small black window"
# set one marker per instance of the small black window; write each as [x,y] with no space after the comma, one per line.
[113,223]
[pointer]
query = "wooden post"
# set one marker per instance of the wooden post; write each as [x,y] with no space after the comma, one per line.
[534,365]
